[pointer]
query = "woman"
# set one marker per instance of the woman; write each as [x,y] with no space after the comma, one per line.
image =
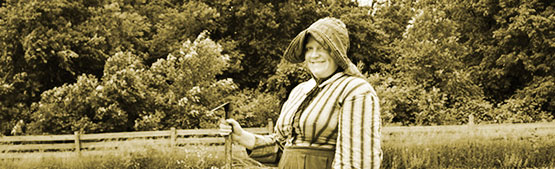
[329,121]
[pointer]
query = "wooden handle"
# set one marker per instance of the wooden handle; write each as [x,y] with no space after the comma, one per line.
[228,144]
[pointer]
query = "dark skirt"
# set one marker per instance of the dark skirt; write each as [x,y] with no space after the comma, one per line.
[306,158]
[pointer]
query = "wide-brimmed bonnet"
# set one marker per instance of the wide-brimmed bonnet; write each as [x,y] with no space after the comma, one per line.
[332,34]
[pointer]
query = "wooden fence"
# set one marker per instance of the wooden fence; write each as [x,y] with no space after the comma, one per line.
[100,141]
[77,142]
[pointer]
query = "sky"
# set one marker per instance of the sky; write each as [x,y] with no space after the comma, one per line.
[364,2]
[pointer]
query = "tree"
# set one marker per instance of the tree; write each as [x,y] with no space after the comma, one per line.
[509,54]
[175,23]
[518,63]
[176,91]
[431,56]
[184,86]
[42,47]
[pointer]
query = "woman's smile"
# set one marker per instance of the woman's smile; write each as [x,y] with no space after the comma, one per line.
[318,59]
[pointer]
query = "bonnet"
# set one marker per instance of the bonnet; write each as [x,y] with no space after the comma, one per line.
[332,34]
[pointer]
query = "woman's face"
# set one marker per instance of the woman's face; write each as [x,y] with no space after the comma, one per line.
[318,59]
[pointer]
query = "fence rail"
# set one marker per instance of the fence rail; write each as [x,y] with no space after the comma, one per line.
[174,137]
[79,141]
[90,141]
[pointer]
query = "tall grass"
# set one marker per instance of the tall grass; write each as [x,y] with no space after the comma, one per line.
[482,146]
[497,146]
[470,154]
[133,155]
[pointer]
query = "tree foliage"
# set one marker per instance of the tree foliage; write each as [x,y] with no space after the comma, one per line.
[476,53]
[42,46]
[126,65]
[174,92]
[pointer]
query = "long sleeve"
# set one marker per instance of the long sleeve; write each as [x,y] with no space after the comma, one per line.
[358,141]
[266,149]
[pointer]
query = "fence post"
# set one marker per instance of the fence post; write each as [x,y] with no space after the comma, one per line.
[471,120]
[173,137]
[270,126]
[77,142]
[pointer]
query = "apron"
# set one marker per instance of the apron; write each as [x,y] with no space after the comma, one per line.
[295,157]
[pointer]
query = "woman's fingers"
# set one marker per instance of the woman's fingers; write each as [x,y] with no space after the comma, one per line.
[233,123]
[225,132]
[233,128]
[230,125]
[225,128]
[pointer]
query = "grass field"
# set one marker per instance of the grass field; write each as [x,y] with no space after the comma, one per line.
[479,146]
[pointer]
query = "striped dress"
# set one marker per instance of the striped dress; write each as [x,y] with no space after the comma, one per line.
[343,116]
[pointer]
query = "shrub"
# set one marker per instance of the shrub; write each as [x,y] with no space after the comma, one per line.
[252,108]
[530,104]
[286,78]
[184,86]
[174,92]
[76,107]
[409,104]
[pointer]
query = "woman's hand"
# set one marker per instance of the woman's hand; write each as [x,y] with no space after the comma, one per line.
[230,126]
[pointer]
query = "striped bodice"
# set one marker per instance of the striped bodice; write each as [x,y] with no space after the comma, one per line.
[319,121]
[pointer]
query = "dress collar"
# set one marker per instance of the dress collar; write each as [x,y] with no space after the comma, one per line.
[328,80]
